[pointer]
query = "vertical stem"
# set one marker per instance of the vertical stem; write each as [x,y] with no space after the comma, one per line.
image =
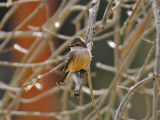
[157,60]
[91,22]
[89,38]
[92,96]
[7,16]
[117,39]
[117,59]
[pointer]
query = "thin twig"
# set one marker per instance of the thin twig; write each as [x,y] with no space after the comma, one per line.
[136,33]
[92,96]
[44,94]
[107,13]
[17,2]
[112,69]
[20,34]
[146,62]
[7,16]
[35,80]
[7,87]
[47,62]
[5,42]
[126,99]
[131,16]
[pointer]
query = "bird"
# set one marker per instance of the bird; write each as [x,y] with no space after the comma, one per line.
[79,58]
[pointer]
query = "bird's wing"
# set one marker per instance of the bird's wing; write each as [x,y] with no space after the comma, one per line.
[63,78]
[68,60]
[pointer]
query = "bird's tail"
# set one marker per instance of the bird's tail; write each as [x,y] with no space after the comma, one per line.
[63,79]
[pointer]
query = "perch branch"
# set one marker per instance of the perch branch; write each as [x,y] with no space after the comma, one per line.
[89,38]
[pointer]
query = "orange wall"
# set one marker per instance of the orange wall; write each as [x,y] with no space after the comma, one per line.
[47,104]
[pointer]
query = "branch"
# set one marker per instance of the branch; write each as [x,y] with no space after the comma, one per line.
[92,96]
[89,38]
[25,21]
[47,62]
[20,73]
[91,22]
[29,84]
[130,17]
[157,59]
[107,14]
[17,2]
[126,99]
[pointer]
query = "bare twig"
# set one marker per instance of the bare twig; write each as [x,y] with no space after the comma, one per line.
[7,16]
[9,88]
[92,96]
[157,59]
[89,38]
[38,97]
[128,96]
[107,13]
[5,42]
[48,62]
[35,80]
[146,62]
[131,16]
[16,2]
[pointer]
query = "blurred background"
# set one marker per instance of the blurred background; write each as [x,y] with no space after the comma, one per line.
[23,40]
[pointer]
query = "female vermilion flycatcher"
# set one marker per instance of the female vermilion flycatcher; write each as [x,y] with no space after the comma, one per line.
[79,58]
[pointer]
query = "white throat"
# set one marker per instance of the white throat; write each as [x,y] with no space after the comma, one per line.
[76,48]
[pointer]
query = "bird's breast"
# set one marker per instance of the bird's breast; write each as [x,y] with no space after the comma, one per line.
[81,60]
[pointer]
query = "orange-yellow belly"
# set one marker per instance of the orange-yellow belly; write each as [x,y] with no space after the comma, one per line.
[79,61]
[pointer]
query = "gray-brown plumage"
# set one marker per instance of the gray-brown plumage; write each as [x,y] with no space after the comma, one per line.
[79,58]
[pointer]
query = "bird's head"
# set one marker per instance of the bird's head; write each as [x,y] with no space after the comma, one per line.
[78,42]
